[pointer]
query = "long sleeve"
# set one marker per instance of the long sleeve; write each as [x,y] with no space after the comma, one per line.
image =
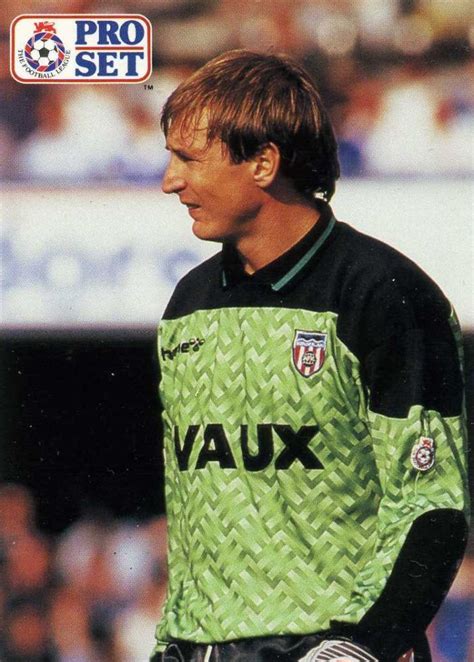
[415,413]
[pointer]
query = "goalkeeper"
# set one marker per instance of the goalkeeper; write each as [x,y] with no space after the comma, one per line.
[312,395]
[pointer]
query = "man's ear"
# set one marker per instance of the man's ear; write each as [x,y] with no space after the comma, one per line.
[266,164]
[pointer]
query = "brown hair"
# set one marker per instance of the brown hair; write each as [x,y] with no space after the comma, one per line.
[252,99]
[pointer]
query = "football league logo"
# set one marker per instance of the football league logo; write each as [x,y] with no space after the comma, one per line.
[44,51]
[423,454]
[80,48]
[309,351]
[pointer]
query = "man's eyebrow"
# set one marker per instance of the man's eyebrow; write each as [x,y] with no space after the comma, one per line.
[178,151]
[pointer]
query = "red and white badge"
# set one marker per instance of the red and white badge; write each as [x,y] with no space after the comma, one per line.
[309,351]
[423,454]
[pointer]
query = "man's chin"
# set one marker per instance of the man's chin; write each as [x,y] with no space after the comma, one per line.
[205,232]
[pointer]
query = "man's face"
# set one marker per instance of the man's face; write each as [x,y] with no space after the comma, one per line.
[222,197]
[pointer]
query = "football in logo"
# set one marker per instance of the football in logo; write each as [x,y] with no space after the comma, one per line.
[44,51]
[309,351]
[423,454]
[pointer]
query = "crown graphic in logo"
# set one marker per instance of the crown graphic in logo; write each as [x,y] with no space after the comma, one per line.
[45,26]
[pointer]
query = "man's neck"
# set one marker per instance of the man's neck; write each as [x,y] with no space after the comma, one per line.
[279,228]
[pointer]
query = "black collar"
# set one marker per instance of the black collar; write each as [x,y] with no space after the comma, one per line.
[284,271]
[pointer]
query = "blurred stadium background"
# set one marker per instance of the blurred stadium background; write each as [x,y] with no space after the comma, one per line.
[91,250]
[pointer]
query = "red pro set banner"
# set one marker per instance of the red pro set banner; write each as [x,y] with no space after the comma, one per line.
[82,48]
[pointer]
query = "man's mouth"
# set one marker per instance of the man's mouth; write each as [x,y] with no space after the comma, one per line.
[192,208]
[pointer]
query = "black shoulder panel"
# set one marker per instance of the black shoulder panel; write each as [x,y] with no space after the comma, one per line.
[396,320]
[390,315]
[192,291]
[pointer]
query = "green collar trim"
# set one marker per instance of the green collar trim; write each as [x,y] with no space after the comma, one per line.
[302,262]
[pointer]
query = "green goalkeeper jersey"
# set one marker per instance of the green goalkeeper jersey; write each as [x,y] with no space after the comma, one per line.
[313,419]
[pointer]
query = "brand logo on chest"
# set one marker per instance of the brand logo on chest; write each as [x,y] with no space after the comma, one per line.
[185,347]
[214,445]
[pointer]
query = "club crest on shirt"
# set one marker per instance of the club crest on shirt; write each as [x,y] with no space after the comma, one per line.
[423,454]
[309,351]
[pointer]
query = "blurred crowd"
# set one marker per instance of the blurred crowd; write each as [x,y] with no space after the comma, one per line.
[396,76]
[94,592]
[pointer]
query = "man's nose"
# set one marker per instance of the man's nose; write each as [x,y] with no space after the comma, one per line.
[172,182]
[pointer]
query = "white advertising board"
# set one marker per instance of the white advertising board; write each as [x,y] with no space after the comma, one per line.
[109,258]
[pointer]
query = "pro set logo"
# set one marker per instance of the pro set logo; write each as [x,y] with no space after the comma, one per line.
[82,48]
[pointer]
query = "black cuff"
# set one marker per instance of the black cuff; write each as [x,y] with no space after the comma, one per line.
[421,577]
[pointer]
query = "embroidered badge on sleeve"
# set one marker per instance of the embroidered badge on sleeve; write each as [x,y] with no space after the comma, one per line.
[423,454]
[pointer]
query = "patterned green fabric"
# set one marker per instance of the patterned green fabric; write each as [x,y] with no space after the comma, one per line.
[285,548]
[407,492]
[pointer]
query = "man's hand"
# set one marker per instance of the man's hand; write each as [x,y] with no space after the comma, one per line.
[408,657]
[337,650]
